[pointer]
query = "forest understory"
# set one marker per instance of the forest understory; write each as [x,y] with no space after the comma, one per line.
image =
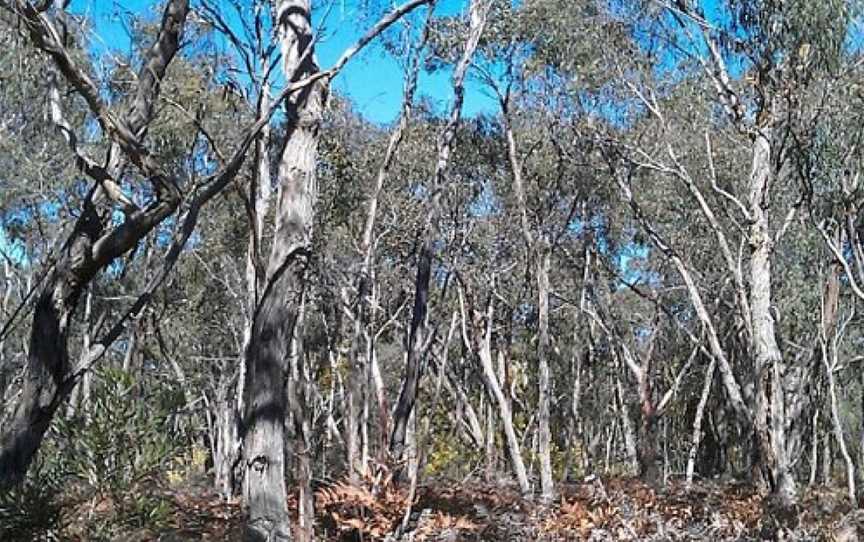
[595,509]
[590,262]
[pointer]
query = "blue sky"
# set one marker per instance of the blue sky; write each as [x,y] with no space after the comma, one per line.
[373,80]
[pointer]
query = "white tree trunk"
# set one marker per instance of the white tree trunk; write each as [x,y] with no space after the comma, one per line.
[482,344]
[769,367]
[696,440]
[547,486]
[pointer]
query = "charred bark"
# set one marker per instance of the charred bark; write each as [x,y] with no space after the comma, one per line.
[418,333]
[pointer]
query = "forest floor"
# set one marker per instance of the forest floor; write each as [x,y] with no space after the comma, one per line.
[597,510]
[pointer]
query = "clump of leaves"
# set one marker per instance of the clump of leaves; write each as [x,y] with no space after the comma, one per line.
[30,512]
[114,452]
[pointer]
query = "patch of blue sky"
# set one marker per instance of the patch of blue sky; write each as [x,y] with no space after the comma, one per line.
[854,42]
[372,81]
[13,250]
[22,216]
[486,202]
[630,261]
[630,258]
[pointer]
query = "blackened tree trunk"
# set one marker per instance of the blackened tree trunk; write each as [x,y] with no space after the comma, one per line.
[360,343]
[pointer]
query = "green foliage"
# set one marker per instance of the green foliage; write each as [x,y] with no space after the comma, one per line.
[116,450]
[801,31]
[446,455]
[31,511]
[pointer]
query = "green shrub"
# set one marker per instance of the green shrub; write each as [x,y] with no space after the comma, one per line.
[114,453]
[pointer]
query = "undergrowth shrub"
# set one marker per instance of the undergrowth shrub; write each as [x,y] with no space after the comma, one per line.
[31,511]
[113,455]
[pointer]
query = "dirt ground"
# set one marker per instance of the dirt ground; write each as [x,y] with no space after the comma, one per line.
[445,510]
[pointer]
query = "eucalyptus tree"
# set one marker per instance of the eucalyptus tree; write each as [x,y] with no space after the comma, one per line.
[251,49]
[32,202]
[93,243]
[277,317]
[781,51]
[362,362]
[541,81]
[418,332]
[96,240]
[827,163]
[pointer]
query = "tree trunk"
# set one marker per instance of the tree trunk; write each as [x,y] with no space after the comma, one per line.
[230,410]
[544,397]
[576,437]
[696,440]
[541,249]
[830,364]
[416,344]
[648,470]
[46,382]
[831,335]
[298,393]
[80,395]
[49,377]
[629,436]
[814,450]
[359,347]
[226,448]
[771,418]
[417,333]
[861,435]
[264,418]
[490,457]
[482,346]
[278,311]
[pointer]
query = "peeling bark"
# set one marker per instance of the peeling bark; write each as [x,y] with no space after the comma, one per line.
[279,307]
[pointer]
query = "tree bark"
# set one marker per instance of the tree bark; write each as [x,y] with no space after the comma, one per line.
[230,407]
[861,434]
[480,343]
[769,368]
[544,397]
[483,346]
[79,399]
[359,351]
[278,310]
[298,393]
[829,342]
[541,249]
[226,437]
[696,439]
[628,434]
